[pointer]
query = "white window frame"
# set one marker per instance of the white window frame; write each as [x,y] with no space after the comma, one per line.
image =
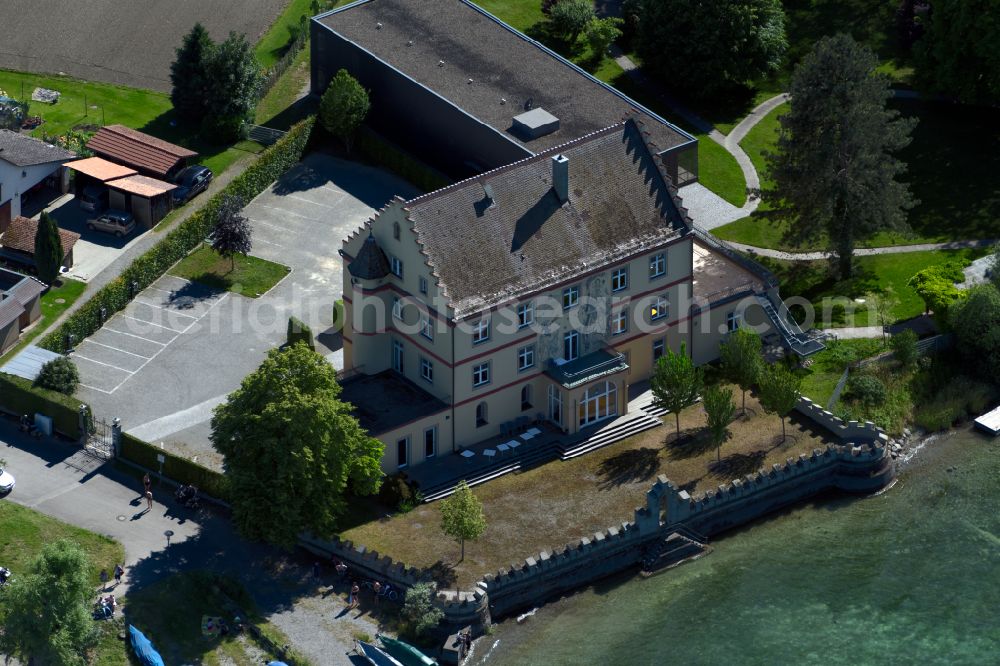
[657,265]
[574,347]
[397,356]
[660,343]
[422,283]
[481,374]
[733,321]
[396,266]
[619,279]
[525,314]
[427,370]
[481,332]
[619,324]
[426,328]
[525,358]
[659,309]
[571,297]
[397,308]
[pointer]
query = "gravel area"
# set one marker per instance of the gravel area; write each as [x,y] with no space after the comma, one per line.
[118,41]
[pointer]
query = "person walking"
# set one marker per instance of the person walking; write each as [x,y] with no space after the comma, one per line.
[119,572]
[147,483]
[149,500]
[377,590]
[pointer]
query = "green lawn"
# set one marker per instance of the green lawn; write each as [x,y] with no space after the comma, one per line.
[813,281]
[276,108]
[521,15]
[170,613]
[820,379]
[952,165]
[54,303]
[275,42]
[25,532]
[251,277]
[88,105]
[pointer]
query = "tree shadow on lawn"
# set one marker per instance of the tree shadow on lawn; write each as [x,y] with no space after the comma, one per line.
[442,573]
[737,465]
[630,466]
[692,444]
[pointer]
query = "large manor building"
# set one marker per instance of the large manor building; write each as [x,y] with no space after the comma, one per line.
[551,278]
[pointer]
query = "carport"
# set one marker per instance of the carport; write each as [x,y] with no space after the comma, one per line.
[148,199]
[97,171]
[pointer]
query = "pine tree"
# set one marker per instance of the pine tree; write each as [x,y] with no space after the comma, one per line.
[834,164]
[187,74]
[48,249]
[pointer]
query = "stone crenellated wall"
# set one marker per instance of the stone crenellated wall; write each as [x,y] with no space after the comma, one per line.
[862,464]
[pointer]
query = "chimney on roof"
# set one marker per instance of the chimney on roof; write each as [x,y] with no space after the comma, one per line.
[560,177]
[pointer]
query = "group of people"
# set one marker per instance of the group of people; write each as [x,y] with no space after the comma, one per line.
[4,576]
[106,606]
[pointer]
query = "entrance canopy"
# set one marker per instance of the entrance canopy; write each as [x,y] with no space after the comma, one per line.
[601,363]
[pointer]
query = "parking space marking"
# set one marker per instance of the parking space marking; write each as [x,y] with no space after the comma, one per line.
[133,335]
[94,388]
[130,372]
[179,334]
[283,211]
[165,291]
[160,307]
[143,321]
[101,344]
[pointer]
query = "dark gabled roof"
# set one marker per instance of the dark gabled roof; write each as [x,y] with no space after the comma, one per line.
[20,236]
[486,251]
[415,36]
[22,150]
[137,149]
[371,262]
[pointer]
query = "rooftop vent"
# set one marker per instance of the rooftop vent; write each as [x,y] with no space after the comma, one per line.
[535,123]
[488,191]
[409,42]
[440,63]
[378,26]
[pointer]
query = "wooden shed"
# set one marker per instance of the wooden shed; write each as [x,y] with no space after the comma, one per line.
[147,154]
[148,199]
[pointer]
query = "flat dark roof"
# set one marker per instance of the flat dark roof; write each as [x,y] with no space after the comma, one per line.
[387,400]
[442,44]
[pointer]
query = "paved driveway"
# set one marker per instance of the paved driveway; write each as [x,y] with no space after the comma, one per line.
[168,359]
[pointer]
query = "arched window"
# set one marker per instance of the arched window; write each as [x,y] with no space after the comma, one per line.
[598,402]
[481,415]
[395,230]
[526,397]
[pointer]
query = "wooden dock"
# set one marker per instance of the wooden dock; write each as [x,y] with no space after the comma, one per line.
[990,422]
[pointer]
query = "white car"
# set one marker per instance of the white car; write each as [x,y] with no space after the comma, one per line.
[6,481]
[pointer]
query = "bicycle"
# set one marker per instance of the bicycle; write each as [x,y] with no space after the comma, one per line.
[387,591]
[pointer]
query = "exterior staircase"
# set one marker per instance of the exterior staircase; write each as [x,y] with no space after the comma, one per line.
[678,547]
[791,334]
[626,426]
[533,457]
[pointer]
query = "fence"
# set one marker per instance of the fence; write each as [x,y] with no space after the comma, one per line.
[265,136]
[280,67]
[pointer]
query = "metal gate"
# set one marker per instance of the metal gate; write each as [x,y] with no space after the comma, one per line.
[100,441]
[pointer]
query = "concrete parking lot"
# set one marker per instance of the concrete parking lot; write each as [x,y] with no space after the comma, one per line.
[95,250]
[166,361]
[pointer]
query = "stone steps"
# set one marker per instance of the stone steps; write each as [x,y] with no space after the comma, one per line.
[617,431]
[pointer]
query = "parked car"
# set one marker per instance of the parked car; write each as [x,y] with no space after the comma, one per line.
[191,181]
[6,481]
[93,199]
[115,222]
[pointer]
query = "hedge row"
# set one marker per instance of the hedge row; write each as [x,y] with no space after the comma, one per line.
[181,470]
[393,158]
[150,266]
[19,396]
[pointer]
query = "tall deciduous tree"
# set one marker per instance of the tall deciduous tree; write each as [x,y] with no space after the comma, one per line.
[291,447]
[780,389]
[232,86]
[703,46]
[570,17]
[719,410]
[834,164]
[419,612]
[48,249]
[48,619]
[742,359]
[676,383]
[343,106]
[976,326]
[601,33]
[232,233]
[187,74]
[959,53]
[882,305]
[462,515]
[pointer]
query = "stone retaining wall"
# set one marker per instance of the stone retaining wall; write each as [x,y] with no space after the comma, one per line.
[845,431]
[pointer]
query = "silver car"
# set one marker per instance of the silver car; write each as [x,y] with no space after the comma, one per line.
[115,222]
[6,481]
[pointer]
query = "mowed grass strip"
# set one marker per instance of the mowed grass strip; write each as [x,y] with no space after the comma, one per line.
[251,276]
[555,505]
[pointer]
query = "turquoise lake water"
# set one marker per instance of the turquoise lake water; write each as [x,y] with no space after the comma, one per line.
[911,576]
